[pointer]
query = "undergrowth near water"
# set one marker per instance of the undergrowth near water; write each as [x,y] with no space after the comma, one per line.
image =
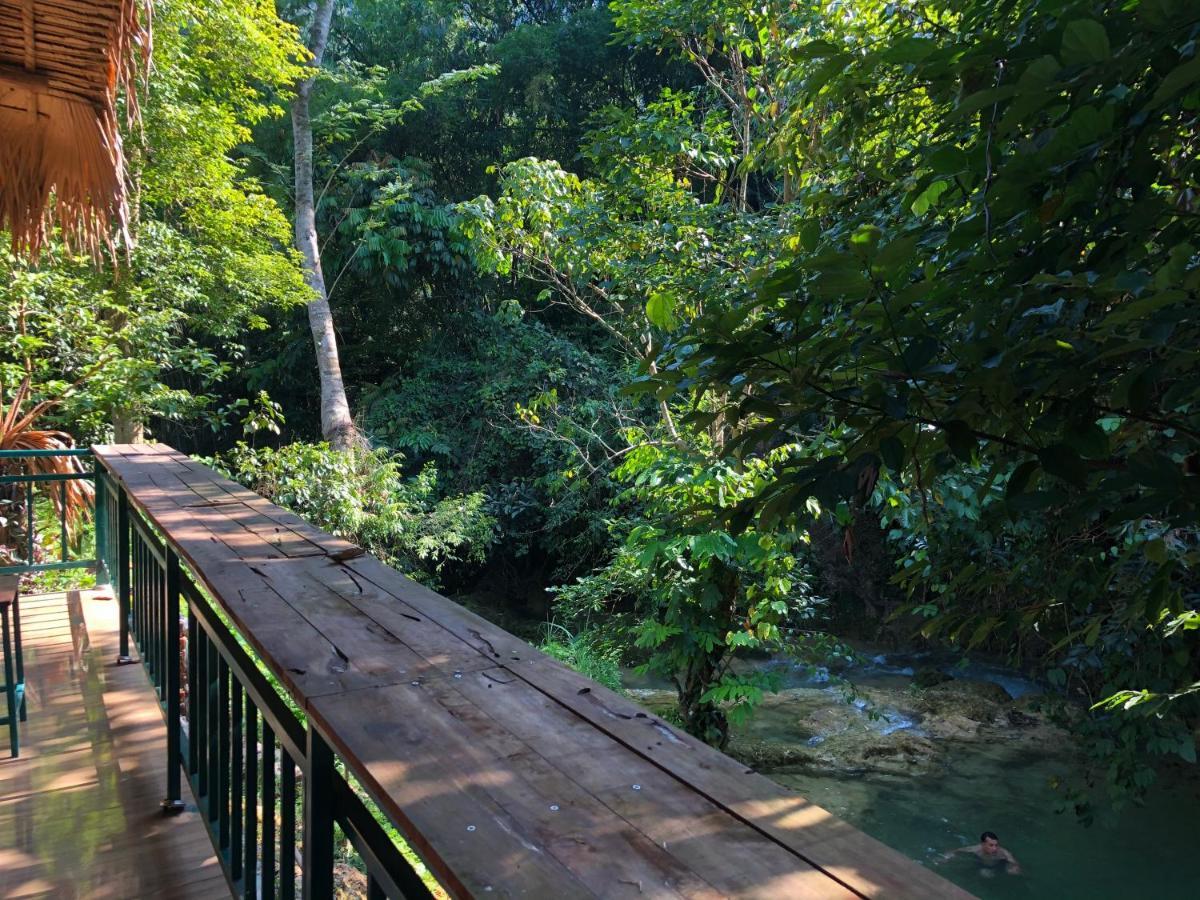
[586,653]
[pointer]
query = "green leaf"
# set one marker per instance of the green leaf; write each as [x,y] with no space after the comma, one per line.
[896,254]
[960,439]
[929,197]
[660,310]
[1063,462]
[891,450]
[1178,80]
[865,239]
[841,282]
[1019,480]
[1089,440]
[1084,42]
[1156,470]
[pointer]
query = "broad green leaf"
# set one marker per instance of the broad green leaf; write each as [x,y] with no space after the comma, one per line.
[1084,42]
[660,310]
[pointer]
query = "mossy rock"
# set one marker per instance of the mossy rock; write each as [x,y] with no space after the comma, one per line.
[769,755]
[1018,719]
[928,677]
[980,701]
[664,704]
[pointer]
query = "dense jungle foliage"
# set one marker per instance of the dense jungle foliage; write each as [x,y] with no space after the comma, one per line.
[697,329]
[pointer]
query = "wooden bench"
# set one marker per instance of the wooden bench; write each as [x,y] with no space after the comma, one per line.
[509,773]
[14,663]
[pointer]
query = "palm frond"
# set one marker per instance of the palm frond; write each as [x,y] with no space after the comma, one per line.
[73,499]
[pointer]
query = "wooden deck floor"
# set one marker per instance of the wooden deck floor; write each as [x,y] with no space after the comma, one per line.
[79,810]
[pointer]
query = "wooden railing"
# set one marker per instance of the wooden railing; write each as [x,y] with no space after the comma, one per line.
[237,737]
[323,692]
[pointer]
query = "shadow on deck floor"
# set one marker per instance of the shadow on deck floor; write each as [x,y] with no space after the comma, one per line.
[79,811]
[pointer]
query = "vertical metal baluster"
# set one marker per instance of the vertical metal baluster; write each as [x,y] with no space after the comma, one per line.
[141,606]
[10,681]
[100,551]
[200,725]
[158,627]
[223,810]
[193,631]
[374,891]
[238,783]
[123,566]
[145,607]
[153,625]
[318,818]
[162,628]
[139,602]
[113,536]
[250,831]
[287,826]
[214,736]
[135,593]
[174,800]
[268,811]
[150,607]
[31,525]
[62,512]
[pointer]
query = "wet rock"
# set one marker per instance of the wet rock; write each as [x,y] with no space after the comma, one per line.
[984,690]
[953,727]
[661,703]
[980,701]
[928,677]
[899,731]
[768,756]
[1018,719]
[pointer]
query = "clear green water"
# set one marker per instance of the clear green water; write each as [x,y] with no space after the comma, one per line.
[1147,852]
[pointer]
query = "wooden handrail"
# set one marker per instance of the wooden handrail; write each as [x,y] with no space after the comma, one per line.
[510,774]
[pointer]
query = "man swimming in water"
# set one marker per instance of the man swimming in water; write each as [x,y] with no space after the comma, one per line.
[990,854]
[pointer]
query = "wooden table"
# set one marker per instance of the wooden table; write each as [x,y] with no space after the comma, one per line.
[511,774]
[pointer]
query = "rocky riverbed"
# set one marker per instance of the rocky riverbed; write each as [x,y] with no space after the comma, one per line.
[887,723]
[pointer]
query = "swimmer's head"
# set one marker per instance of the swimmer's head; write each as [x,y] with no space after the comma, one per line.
[989,842]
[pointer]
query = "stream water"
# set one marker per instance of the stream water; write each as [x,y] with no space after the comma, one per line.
[1146,852]
[963,787]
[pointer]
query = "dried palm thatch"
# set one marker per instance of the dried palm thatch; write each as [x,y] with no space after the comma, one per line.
[62,65]
[72,500]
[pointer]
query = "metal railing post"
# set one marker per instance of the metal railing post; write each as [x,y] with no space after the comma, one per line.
[173,802]
[103,576]
[318,819]
[123,573]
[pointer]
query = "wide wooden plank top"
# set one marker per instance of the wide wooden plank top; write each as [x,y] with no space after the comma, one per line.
[512,775]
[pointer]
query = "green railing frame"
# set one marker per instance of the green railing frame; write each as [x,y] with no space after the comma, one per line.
[30,479]
[238,736]
[242,742]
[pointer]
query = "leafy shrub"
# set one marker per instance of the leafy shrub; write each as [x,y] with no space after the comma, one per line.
[691,593]
[586,652]
[365,497]
[525,414]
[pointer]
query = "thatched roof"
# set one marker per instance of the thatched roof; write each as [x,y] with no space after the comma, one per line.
[62,65]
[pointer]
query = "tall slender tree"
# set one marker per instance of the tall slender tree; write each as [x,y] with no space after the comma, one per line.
[337,426]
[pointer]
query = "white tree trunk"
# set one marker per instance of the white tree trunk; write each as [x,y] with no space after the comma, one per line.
[128,427]
[337,426]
